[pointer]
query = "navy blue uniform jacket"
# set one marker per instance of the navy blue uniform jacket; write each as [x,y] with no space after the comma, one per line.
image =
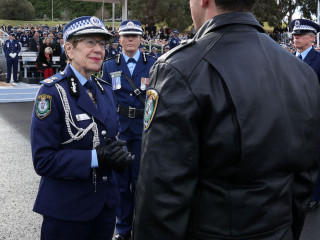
[313,60]
[125,95]
[66,189]
[13,47]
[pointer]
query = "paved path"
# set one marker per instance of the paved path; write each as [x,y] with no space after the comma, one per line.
[17,92]
[19,183]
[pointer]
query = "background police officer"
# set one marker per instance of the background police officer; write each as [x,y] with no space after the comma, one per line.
[304,32]
[174,40]
[129,74]
[11,49]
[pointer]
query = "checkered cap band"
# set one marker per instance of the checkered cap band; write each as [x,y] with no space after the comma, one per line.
[84,25]
[304,28]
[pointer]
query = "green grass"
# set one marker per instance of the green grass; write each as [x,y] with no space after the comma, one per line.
[15,23]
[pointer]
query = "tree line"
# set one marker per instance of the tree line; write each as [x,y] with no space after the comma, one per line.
[175,14]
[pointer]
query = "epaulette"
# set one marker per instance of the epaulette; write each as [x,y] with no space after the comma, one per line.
[153,57]
[97,81]
[53,79]
[100,80]
[182,46]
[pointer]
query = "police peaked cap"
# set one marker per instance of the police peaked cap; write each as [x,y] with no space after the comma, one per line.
[84,25]
[130,27]
[302,26]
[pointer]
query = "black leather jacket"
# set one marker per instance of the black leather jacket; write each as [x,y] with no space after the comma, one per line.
[233,148]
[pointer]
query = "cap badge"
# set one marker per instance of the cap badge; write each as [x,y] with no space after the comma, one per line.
[95,21]
[297,23]
[130,24]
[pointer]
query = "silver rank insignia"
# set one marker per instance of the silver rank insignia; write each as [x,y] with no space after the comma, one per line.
[48,80]
[152,98]
[43,105]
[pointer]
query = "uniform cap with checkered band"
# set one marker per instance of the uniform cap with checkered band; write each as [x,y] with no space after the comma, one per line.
[85,25]
[130,27]
[302,26]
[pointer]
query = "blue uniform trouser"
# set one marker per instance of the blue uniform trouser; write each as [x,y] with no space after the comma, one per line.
[12,63]
[127,182]
[99,228]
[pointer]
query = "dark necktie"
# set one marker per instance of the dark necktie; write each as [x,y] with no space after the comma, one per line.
[299,56]
[131,60]
[91,90]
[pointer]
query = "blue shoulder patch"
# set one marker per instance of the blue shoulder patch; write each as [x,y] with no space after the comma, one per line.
[54,79]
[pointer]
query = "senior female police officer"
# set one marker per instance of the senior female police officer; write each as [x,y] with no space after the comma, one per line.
[74,145]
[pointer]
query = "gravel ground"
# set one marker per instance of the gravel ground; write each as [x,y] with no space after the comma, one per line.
[18,185]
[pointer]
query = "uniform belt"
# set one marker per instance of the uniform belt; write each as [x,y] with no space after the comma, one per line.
[130,112]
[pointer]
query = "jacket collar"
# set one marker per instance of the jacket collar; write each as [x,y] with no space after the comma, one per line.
[84,102]
[245,18]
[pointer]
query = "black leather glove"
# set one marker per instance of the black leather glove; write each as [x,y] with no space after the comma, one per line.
[115,155]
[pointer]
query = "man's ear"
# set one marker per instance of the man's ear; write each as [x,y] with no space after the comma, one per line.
[204,3]
[68,47]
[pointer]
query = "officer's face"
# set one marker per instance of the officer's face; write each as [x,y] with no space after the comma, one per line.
[85,58]
[303,41]
[130,44]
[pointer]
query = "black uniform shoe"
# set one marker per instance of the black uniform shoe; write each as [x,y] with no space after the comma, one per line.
[121,237]
[313,205]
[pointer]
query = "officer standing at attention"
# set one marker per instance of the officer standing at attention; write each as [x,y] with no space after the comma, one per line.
[11,49]
[304,33]
[174,40]
[231,137]
[128,73]
[74,142]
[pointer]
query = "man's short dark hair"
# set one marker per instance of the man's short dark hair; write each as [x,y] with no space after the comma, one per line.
[235,5]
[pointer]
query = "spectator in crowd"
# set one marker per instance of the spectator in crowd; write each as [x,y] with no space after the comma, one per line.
[231,138]
[129,74]
[11,49]
[161,33]
[55,45]
[46,43]
[4,27]
[63,57]
[192,31]
[34,43]
[73,140]
[167,31]
[9,28]
[44,62]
